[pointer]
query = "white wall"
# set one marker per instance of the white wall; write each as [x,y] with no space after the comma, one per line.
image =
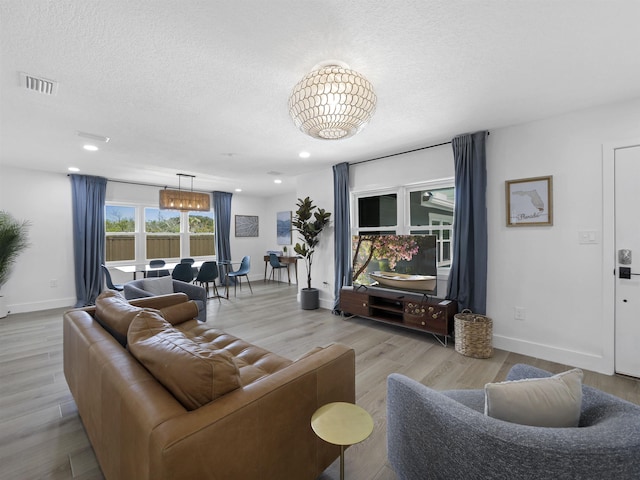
[45,200]
[545,270]
[319,187]
[558,281]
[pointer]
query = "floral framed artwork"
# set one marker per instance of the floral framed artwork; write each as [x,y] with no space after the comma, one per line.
[247,225]
[283,228]
[530,201]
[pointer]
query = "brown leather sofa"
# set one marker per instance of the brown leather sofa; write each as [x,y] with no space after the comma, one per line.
[254,426]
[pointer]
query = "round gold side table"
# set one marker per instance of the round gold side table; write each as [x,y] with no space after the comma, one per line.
[342,423]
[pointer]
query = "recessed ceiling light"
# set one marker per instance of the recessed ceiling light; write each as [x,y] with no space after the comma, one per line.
[277,180]
[238,189]
[91,148]
[304,154]
[73,169]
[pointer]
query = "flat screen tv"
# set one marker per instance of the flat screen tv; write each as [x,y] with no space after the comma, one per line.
[400,262]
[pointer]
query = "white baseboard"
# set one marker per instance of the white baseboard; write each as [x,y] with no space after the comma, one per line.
[43,305]
[588,361]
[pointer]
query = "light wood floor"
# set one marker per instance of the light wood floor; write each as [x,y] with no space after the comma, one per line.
[41,435]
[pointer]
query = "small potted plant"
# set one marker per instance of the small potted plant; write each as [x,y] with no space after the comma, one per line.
[13,239]
[309,221]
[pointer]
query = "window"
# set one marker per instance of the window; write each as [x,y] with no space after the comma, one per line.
[120,228]
[162,228]
[136,233]
[201,238]
[417,209]
[431,212]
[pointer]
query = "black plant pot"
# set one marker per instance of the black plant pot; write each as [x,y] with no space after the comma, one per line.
[309,298]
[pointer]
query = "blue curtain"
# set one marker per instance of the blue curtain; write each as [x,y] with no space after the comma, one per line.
[222,213]
[342,225]
[88,197]
[468,276]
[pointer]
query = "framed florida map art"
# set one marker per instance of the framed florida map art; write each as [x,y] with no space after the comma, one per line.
[530,201]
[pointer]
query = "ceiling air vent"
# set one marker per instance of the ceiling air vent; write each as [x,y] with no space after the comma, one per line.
[39,84]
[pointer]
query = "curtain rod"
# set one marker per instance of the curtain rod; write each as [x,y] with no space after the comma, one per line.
[150,185]
[403,153]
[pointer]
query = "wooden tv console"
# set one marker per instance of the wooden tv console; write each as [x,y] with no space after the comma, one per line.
[409,310]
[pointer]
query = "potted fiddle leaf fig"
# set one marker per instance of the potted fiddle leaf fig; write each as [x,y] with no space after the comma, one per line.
[13,240]
[309,221]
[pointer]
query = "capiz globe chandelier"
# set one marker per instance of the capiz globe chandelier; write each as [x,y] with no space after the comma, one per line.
[332,102]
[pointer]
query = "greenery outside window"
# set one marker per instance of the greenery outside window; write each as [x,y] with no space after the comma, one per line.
[120,228]
[201,234]
[162,229]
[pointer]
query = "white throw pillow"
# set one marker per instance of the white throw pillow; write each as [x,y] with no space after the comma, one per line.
[543,402]
[158,285]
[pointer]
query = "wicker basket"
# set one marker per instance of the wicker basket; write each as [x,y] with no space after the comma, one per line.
[473,334]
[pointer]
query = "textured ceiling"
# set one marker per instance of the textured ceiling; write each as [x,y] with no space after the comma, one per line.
[201,87]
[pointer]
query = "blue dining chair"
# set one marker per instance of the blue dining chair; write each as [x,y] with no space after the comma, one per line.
[243,271]
[275,265]
[183,272]
[108,281]
[157,273]
[208,273]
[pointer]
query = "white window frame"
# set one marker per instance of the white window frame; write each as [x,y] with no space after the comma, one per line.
[403,215]
[140,235]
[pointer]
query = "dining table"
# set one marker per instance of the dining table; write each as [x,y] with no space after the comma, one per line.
[145,268]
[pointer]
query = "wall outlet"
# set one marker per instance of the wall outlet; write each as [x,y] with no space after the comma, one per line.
[520,313]
[325,284]
[53,283]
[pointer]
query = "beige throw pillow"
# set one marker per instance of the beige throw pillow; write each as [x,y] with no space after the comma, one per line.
[158,285]
[192,373]
[544,402]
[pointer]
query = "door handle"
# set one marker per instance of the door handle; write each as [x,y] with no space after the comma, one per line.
[625,273]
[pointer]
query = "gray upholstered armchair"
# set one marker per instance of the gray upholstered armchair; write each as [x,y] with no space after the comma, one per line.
[149,287]
[445,435]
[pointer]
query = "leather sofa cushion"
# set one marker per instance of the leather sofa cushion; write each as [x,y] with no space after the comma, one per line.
[180,312]
[115,314]
[253,362]
[193,374]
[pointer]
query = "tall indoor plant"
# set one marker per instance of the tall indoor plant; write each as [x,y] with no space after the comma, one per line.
[13,239]
[309,221]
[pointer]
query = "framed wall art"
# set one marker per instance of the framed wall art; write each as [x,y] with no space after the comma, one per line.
[246,225]
[530,201]
[283,228]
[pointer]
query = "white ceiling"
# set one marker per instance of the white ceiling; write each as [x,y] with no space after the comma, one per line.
[201,87]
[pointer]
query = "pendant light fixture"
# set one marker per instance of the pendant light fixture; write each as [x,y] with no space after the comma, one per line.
[184,200]
[332,102]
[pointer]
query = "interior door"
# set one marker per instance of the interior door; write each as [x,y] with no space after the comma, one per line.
[627,241]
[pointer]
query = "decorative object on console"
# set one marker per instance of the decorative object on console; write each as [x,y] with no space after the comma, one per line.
[529,202]
[332,102]
[309,221]
[13,240]
[404,262]
[184,200]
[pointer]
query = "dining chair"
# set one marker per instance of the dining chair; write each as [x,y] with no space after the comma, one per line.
[208,273]
[190,261]
[108,281]
[243,271]
[276,265]
[183,272]
[157,273]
